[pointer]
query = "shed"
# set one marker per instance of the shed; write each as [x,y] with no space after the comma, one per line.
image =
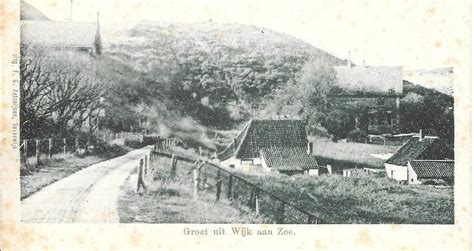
[271,145]
[417,148]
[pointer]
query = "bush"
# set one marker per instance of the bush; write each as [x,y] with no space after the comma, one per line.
[134,143]
[357,135]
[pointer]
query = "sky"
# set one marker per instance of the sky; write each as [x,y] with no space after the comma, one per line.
[415,34]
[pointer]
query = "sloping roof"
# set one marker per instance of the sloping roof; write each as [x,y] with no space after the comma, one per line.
[289,159]
[428,147]
[433,169]
[28,12]
[60,34]
[262,134]
[370,79]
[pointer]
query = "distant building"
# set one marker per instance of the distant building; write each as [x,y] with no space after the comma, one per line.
[75,36]
[422,170]
[271,145]
[39,30]
[371,94]
[404,165]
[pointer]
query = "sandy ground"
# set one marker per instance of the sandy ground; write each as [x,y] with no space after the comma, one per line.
[87,196]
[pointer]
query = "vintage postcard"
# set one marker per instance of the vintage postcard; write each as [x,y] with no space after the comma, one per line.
[235,125]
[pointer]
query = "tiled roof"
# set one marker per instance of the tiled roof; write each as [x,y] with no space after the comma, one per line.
[427,148]
[370,79]
[433,169]
[262,134]
[289,159]
[60,34]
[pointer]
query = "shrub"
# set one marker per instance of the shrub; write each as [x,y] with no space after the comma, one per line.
[357,135]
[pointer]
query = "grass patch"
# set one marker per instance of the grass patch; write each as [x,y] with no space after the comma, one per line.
[350,154]
[362,199]
[170,200]
[35,177]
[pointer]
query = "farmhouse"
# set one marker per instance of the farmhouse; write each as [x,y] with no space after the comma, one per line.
[371,94]
[271,145]
[422,170]
[404,165]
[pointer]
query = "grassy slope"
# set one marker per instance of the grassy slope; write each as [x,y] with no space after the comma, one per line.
[363,199]
[170,201]
[355,153]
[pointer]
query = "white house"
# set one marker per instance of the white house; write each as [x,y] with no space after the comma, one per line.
[417,148]
[271,145]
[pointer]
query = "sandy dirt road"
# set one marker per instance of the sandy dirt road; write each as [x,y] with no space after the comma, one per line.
[87,196]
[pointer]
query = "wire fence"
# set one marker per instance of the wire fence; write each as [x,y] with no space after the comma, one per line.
[209,177]
[32,151]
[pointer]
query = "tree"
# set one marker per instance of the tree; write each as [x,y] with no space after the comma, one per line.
[305,97]
[58,91]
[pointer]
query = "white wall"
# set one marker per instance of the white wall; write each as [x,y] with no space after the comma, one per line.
[257,164]
[396,172]
[412,175]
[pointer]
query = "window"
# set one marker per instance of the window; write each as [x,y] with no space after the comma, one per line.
[391,174]
[232,166]
[246,162]
[411,180]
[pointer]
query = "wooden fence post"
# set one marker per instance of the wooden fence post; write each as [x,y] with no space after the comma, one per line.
[50,145]
[173,166]
[141,182]
[229,188]
[251,200]
[25,149]
[196,183]
[37,151]
[64,147]
[257,202]
[218,185]
[144,166]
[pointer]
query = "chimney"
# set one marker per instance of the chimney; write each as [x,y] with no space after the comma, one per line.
[421,135]
[310,147]
[349,63]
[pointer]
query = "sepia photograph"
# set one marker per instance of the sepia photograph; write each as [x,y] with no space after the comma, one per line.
[236,125]
[210,122]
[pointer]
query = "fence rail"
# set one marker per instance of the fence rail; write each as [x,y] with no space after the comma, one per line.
[32,151]
[212,177]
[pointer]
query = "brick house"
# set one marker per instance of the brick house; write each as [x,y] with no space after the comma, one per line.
[371,94]
[404,165]
[271,146]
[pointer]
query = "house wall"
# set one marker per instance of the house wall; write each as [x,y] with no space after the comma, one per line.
[396,172]
[412,177]
[239,164]
[372,112]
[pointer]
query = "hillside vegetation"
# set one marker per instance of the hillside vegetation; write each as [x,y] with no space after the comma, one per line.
[362,199]
[217,74]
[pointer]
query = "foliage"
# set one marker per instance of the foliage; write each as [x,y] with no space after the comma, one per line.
[58,92]
[362,199]
[357,135]
[217,80]
[429,110]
